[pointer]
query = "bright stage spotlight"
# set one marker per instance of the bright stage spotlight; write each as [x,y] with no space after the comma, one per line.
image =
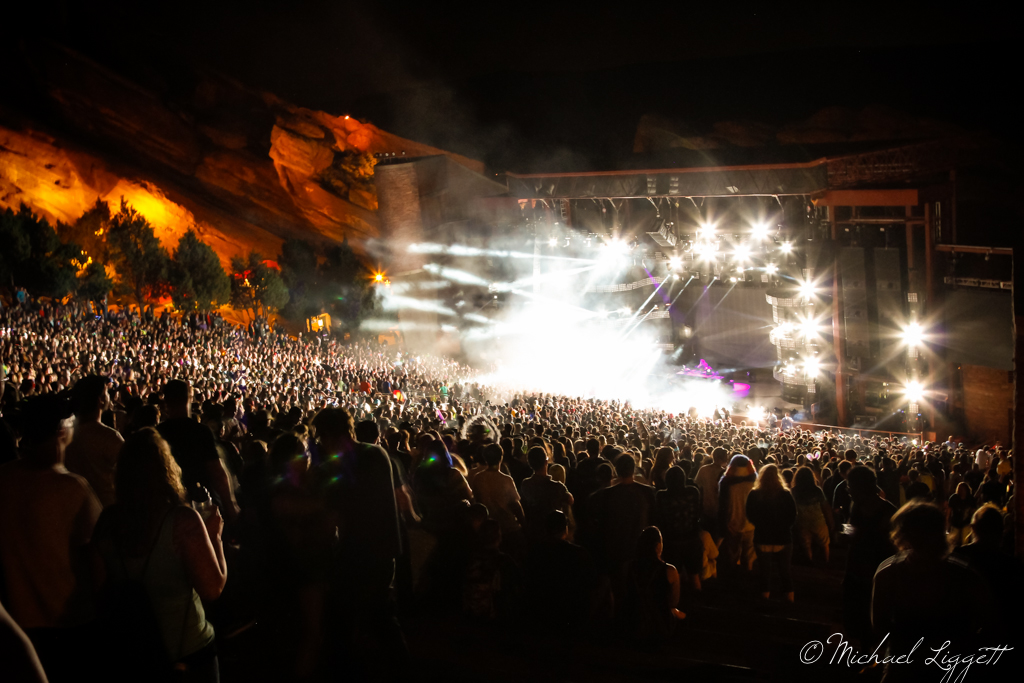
[807,289]
[707,231]
[786,247]
[771,269]
[741,253]
[675,263]
[613,249]
[612,252]
[378,277]
[914,392]
[812,366]
[759,231]
[809,328]
[552,242]
[912,334]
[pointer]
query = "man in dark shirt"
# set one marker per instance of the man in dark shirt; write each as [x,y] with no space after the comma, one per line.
[195,449]
[620,513]
[561,578]
[870,544]
[829,485]
[359,496]
[996,568]
[541,494]
[889,480]
[916,488]
[584,480]
[517,469]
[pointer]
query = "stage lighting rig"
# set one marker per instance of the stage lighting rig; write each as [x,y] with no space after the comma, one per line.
[809,328]
[914,392]
[759,231]
[786,247]
[807,290]
[912,334]
[706,252]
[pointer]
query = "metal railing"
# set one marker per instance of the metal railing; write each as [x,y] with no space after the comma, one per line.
[815,427]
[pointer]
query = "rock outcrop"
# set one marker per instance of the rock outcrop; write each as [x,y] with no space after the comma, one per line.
[246,169]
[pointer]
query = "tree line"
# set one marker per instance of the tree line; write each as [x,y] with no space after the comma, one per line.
[103,254]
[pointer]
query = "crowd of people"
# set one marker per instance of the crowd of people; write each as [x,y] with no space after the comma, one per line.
[166,481]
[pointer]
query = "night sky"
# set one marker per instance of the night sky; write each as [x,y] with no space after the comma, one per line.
[526,85]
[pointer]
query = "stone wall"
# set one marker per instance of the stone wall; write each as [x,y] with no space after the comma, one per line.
[988,403]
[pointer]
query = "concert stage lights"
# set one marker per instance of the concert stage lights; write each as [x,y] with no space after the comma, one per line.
[771,269]
[759,231]
[786,247]
[706,252]
[912,334]
[914,392]
[808,327]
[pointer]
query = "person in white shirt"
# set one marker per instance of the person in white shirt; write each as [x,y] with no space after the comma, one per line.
[983,458]
[706,480]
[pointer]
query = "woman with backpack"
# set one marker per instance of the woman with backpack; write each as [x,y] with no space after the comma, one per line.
[156,559]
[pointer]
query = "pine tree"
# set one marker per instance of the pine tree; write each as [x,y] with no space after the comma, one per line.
[256,286]
[198,282]
[141,262]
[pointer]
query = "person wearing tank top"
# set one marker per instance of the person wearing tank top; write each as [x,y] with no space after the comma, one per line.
[152,537]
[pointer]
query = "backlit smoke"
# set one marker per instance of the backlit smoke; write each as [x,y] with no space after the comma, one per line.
[553,323]
[459,250]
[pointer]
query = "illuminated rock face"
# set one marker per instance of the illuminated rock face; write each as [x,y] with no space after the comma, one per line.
[246,169]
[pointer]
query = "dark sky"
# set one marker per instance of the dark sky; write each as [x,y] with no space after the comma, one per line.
[488,76]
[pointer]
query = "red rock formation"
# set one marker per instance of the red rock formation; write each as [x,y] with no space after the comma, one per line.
[246,169]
